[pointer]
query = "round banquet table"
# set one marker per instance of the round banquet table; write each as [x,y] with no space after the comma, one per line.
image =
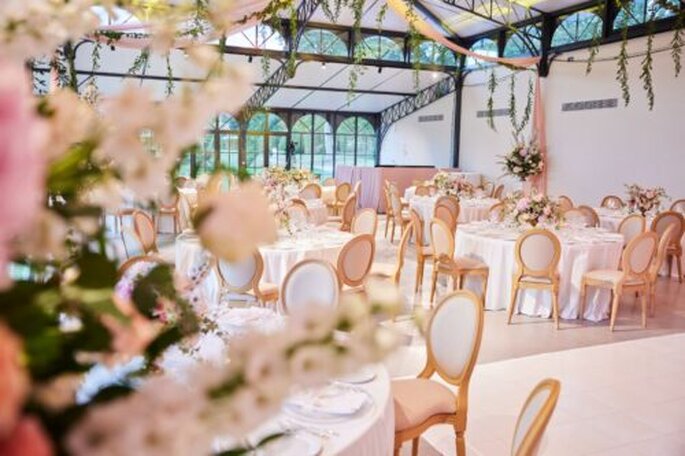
[470,210]
[328,194]
[582,250]
[320,243]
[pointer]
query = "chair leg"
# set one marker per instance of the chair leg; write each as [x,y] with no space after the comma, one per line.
[614,308]
[581,304]
[512,303]
[644,307]
[679,265]
[387,223]
[420,264]
[669,260]
[485,286]
[396,452]
[392,232]
[461,444]
[434,281]
[652,299]
[555,307]
[415,447]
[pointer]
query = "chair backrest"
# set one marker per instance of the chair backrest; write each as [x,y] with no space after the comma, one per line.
[664,241]
[537,253]
[453,338]
[679,206]
[365,222]
[574,216]
[612,202]
[422,190]
[297,211]
[133,261]
[310,283]
[170,201]
[418,223]
[432,189]
[591,217]
[342,191]
[311,191]
[631,226]
[497,191]
[445,214]
[329,182]
[355,260]
[534,416]
[664,219]
[241,276]
[496,212]
[357,187]
[451,203]
[565,203]
[348,212]
[396,205]
[132,244]
[144,228]
[442,239]
[639,254]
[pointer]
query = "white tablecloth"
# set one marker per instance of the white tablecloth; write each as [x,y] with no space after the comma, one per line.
[328,194]
[318,243]
[588,250]
[470,210]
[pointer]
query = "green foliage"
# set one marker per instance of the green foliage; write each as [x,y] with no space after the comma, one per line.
[492,86]
[139,65]
[170,77]
[677,43]
[528,109]
[647,67]
[622,61]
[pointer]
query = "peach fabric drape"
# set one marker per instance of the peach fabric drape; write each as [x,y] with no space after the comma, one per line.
[540,135]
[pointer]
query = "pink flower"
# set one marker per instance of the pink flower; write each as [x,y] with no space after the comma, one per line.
[130,338]
[14,381]
[27,439]
[523,152]
[523,204]
[22,163]
[237,222]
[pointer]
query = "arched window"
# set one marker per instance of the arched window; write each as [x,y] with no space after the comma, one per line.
[266,137]
[640,11]
[205,155]
[381,48]
[580,26]
[432,53]
[484,46]
[518,47]
[228,134]
[320,41]
[260,37]
[313,138]
[355,142]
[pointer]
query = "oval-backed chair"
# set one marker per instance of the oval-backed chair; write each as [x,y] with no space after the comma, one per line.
[534,417]
[310,191]
[310,283]
[612,202]
[144,229]
[565,203]
[365,222]
[453,338]
[537,253]
[633,276]
[631,226]
[242,280]
[674,252]
[355,260]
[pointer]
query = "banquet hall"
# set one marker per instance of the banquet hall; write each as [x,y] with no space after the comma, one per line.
[335,227]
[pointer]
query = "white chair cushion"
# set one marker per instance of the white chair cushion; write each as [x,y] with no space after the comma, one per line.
[418,399]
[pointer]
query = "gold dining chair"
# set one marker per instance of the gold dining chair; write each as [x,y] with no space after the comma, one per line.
[664,241]
[612,202]
[354,262]
[311,191]
[444,261]
[400,217]
[497,192]
[329,182]
[447,209]
[633,276]
[565,203]
[534,417]
[591,217]
[393,272]
[537,253]
[453,338]
[674,252]
[678,206]
[347,215]
[496,212]
[423,251]
[365,222]
[144,229]
[242,280]
[310,283]
[631,226]
[342,192]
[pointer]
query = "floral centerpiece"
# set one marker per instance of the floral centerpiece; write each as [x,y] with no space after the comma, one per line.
[524,161]
[450,185]
[534,210]
[64,165]
[645,200]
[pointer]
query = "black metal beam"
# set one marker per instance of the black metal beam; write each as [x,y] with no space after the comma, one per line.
[456,130]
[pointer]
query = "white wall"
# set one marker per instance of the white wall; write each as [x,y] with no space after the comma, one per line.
[591,153]
[409,142]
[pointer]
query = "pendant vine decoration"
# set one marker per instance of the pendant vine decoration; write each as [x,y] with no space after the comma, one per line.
[492,86]
[527,110]
[622,61]
[648,66]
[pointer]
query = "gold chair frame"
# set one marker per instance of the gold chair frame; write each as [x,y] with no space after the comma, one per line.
[340,267]
[531,441]
[423,251]
[359,214]
[675,249]
[299,265]
[606,202]
[523,272]
[138,217]
[253,286]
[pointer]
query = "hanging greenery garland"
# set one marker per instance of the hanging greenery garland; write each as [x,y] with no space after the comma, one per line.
[492,86]
[622,71]
[677,43]
[170,76]
[525,119]
[596,41]
[140,63]
[648,66]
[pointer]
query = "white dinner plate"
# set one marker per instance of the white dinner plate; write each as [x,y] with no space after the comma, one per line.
[298,444]
[364,375]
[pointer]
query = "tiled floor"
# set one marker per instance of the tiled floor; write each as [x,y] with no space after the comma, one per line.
[625,398]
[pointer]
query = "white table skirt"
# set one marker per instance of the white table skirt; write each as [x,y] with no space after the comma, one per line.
[328,194]
[470,210]
[576,259]
[320,243]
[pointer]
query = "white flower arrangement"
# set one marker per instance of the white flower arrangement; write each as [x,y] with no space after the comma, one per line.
[534,210]
[524,161]
[450,185]
[645,200]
